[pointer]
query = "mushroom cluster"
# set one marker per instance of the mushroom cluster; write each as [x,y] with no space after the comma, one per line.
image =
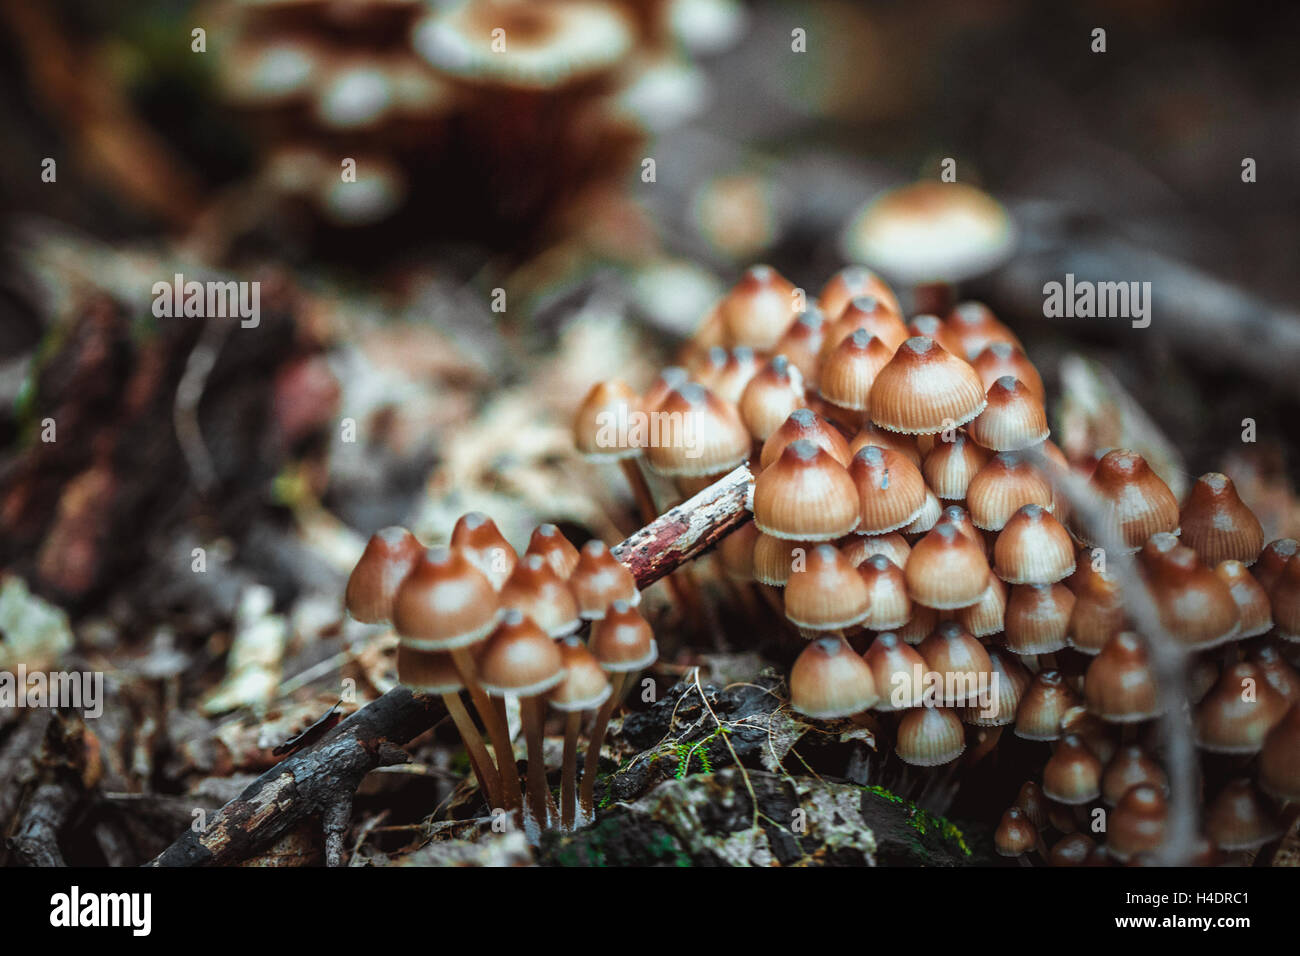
[906,529]
[504,107]
[476,616]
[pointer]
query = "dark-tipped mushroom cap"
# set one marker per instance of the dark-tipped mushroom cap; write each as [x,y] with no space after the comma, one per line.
[387,560]
[444,603]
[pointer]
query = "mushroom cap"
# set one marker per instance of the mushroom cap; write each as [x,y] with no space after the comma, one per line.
[850,283]
[1216,523]
[804,423]
[1033,548]
[960,661]
[924,389]
[898,672]
[865,313]
[1239,711]
[599,579]
[771,396]
[1279,760]
[1014,418]
[1196,606]
[387,560]
[890,607]
[827,593]
[1140,504]
[805,495]
[1004,485]
[759,308]
[1240,819]
[949,466]
[829,681]
[1016,834]
[1037,617]
[890,490]
[519,658]
[548,44]
[698,434]
[585,686]
[1119,686]
[478,538]
[998,359]
[847,374]
[974,328]
[1130,767]
[535,590]
[930,737]
[444,603]
[622,641]
[549,543]
[427,672]
[932,232]
[1137,824]
[1042,705]
[946,570]
[1073,773]
[604,426]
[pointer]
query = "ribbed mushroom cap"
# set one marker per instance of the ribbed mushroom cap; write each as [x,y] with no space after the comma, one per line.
[600,579]
[478,538]
[890,490]
[987,616]
[921,625]
[829,681]
[1073,773]
[927,517]
[1037,618]
[427,672]
[974,328]
[1098,613]
[669,378]
[802,342]
[805,495]
[1014,418]
[534,589]
[847,374]
[1002,358]
[1216,523]
[550,544]
[759,308]
[698,434]
[959,518]
[1119,685]
[890,607]
[387,560]
[898,671]
[519,658]
[946,570]
[932,327]
[1137,824]
[826,593]
[925,389]
[1284,596]
[1042,705]
[1002,487]
[807,425]
[1016,835]
[604,426]
[1130,767]
[858,547]
[774,557]
[960,662]
[444,603]
[548,44]
[730,372]
[929,737]
[1272,560]
[622,640]
[1279,760]
[1007,687]
[950,465]
[1196,606]
[1139,503]
[864,314]
[585,686]
[1033,548]
[1240,819]
[770,397]
[1254,613]
[931,232]
[1238,713]
[850,283]
[872,434]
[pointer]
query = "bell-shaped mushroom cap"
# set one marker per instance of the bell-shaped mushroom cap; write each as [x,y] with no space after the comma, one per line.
[931,232]
[585,686]
[1016,835]
[1119,686]
[1037,617]
[925,389]
[389,556]
[805,495]
[1130,767]
[519,658]
[999,359]
[759,308]
[1033,548]
[1139,503]
[1238,713]
[850,283]
[825,592]
[807,425]
[622,641]
[599,580]
[771,396]
[829,681]
[847,374]
[946,570]
[550,544]
[1137,824]
[1073,773]
[898,671]
[891,492]
[478,538]
[534,589]
[1196,606]
[960,662]
[1216,523]
[1240,819]
[974,327]
[1045,701]
[604,427]
[1005,484]
[930,737]
[697,433]
[1279,761]
[949,466]
[1014,418]
[444,603]
[427,672]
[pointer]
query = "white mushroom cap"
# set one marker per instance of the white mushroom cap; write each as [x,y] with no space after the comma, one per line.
[931,232]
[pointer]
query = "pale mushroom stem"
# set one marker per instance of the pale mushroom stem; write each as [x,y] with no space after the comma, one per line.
[479,760]
[587,799]
[645,501]
[510,792]
[532,709]
[569,772]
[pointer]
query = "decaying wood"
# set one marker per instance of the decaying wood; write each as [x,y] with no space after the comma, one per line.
[320,780]
[37,839]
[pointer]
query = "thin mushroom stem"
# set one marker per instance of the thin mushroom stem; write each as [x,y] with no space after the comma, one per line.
[587,798]
[569,772]
[510,792]
[645,501]
[479,760]
[532,709]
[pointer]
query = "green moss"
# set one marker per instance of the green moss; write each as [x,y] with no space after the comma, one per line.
[924,822]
